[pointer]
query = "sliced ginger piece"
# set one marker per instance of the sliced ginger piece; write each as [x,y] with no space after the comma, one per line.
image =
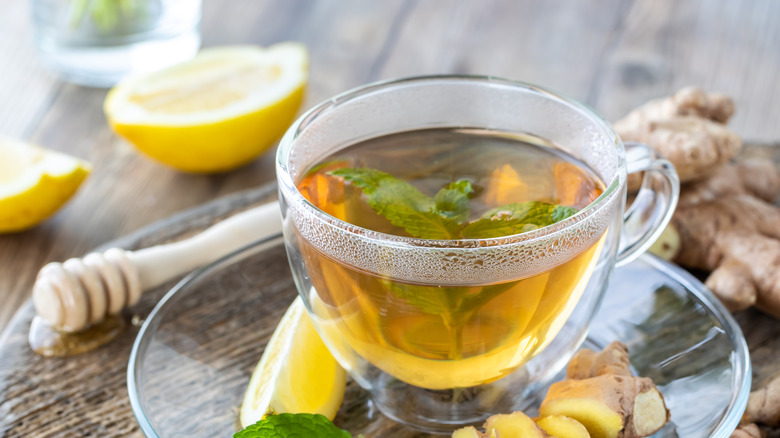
[764,404]
[560,426]
[650,413]
[609,406]
[601,393]
[514,425]
[667,246]
[588,403]
[600,398]
[505,186]
[325,191]
[587,363]
[467,432]
[572,185]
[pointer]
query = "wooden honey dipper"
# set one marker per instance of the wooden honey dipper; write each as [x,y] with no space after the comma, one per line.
[72,295]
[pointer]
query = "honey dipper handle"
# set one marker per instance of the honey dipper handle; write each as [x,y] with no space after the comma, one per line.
[72,295]
[159,264]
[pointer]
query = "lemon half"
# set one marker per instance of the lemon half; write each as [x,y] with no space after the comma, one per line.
[296,374]
[215,112]
[35,183]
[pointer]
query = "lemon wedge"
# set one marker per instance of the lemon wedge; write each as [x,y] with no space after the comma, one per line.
[296,374]
[35,183]
[215,112]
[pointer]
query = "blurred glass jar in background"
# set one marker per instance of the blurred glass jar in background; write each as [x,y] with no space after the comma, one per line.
[98,42]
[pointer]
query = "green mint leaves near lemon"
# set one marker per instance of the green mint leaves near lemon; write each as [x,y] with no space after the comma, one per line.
[293,426]
[445,216]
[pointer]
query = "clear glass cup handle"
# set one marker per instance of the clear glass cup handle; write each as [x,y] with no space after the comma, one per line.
[654,203]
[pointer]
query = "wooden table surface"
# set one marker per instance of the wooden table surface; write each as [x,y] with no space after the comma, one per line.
[610,54]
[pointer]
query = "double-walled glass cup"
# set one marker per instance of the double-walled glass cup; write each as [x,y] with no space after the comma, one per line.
[520,316]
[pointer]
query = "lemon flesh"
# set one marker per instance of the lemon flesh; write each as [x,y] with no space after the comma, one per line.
[215,112]
[296,374]
[35,183]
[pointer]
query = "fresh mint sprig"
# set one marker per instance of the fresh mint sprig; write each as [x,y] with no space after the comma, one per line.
[293,426]
[406,207]
[516,218]
[445,216]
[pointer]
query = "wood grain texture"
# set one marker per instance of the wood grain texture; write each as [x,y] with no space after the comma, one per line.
[27,88]
[507,39]
[729,47]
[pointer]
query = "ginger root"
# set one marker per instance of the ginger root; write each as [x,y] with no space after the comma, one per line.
[764,404]
[726,225]
[724,222]
[757,178]
[748,431]
[689,101]
[468,432]
[687,128]
[613,360]
[514,425]
[599,398]
[667,246]
[602,395]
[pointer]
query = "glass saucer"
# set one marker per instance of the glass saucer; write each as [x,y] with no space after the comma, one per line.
[194,355]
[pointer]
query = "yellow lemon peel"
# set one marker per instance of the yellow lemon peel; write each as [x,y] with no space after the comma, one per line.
[34,183]
[296,374]
[215,112]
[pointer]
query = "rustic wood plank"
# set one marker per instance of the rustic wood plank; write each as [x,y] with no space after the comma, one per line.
[719,45]
[27,88]
[346,42]
[523,40]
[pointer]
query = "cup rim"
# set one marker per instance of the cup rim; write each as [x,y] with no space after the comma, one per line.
[287,185]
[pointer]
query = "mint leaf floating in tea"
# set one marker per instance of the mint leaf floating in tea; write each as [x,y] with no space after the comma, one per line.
[293,425]
[452,201]
[445,216]
[431,300]
[516,218]
[562,212]
[406,207]
[491,228]
[536,213]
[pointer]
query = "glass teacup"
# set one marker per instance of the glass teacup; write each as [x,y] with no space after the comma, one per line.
[447,332]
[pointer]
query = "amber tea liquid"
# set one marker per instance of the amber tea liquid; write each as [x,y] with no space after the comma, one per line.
[446,335]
